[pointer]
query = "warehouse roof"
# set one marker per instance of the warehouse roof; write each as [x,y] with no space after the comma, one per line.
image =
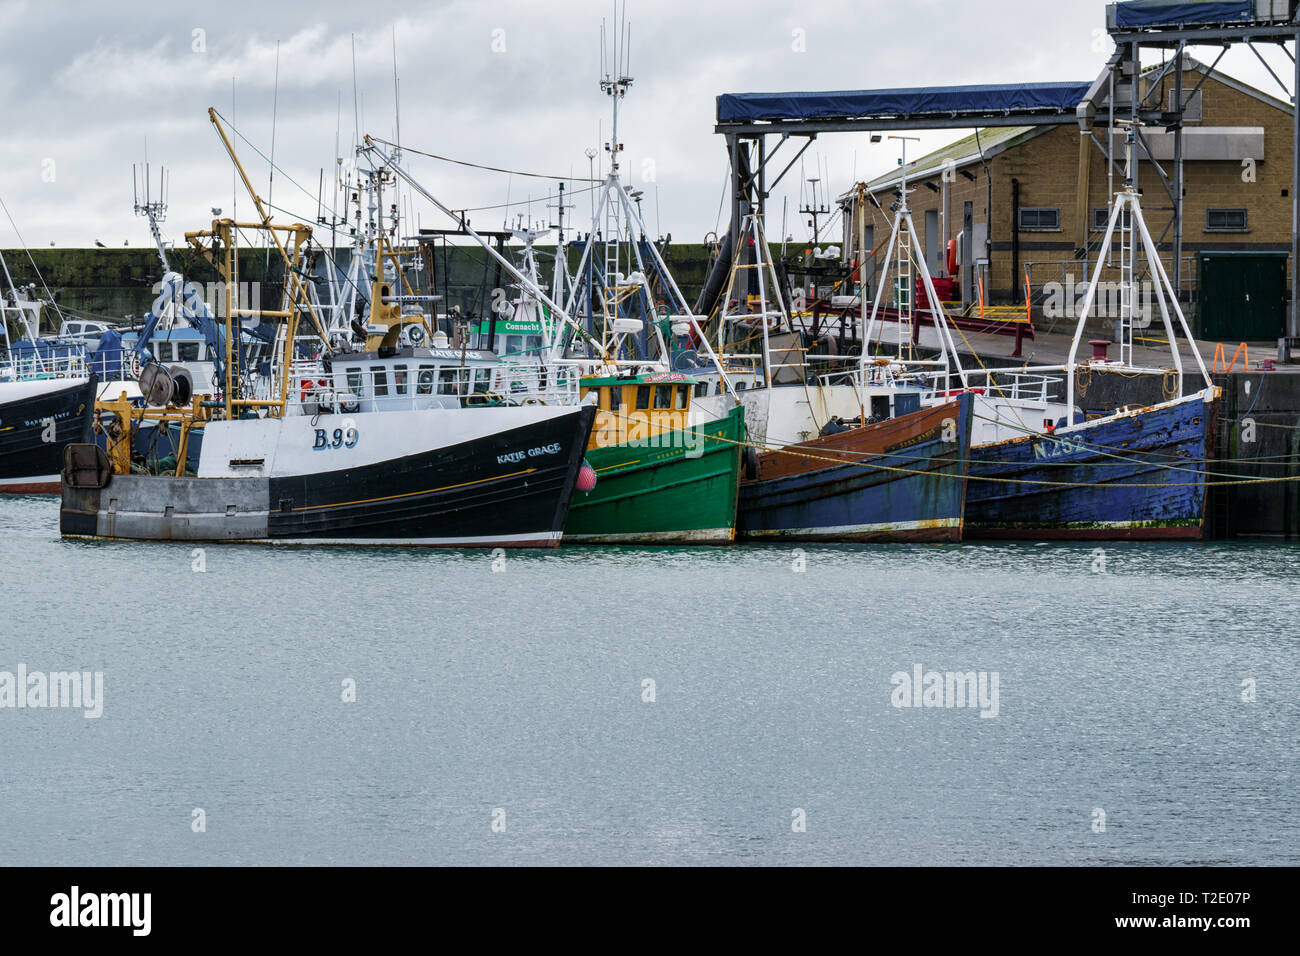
[975,148]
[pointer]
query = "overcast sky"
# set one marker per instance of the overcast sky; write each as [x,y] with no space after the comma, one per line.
[88,88]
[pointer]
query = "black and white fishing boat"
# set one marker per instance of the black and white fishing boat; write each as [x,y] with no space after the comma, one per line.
[47,398]
[384,446]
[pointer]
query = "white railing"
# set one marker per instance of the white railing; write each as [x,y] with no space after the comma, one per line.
[32,366]
[1015,385]
[420,384]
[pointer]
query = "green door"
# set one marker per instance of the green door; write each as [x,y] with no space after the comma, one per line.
[1265,298]
[1242,296]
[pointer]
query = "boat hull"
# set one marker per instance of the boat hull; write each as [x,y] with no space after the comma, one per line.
[662,493]
[1108,479]
[904,481]
[31,452]
[508,488]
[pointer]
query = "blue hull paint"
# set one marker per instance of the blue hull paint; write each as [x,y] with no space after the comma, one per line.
[1109,459]
[850,502]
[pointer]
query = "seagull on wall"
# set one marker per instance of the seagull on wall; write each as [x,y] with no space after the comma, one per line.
[100,244]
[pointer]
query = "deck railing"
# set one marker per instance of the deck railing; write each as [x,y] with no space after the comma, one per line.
[30,366]
[419,384]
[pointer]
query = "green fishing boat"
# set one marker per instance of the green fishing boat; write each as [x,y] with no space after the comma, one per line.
[660,479]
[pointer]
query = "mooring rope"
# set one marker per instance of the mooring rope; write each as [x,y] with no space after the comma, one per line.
[798,452]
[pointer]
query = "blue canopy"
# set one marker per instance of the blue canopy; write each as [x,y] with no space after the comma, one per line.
[917,101]
[1166,13]
[107,360]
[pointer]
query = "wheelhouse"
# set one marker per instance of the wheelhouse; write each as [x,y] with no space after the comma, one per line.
[414,377]
[637,407]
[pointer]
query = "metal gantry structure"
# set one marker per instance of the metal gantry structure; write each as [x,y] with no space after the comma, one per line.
[1266,22]
[747,120]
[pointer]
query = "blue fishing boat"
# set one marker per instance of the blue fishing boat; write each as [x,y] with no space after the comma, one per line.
[1131,473]
[903,479]
[1137,474]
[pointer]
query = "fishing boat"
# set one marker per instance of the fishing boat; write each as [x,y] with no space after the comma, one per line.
[660,478]
[1040,466]
[47,397]
[1138,473]
[1131,473]
[898,480]
[376,454]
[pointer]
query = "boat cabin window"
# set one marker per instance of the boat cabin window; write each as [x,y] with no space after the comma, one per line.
[187,351]
[424,384]
[482,381]
[452,381]
[879,406]
[683,397]
[615,398]
[355,381]
[642,397]
[702,389]
[381,381]
[399,380]
[663,396]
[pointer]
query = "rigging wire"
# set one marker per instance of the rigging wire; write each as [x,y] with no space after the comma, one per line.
[494,169]
[35,267]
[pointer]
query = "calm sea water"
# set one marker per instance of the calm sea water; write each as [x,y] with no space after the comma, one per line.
[518,696]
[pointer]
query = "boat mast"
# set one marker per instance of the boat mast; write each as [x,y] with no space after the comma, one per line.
[299,293]
[1126,218]
[901,239]
[561,275]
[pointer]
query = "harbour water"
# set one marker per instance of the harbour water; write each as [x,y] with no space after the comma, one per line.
[519,697]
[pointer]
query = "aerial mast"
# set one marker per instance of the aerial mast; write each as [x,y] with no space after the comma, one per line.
[155,210]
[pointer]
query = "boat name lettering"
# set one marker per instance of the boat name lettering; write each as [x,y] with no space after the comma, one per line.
[929,436]
[338,438]
[668,377]
[514,457]
[57,417]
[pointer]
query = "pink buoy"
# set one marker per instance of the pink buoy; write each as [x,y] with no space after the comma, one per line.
[586,477]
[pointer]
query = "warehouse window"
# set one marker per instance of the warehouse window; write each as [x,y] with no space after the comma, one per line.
[1040,217]
[1225,220]
[1101,219]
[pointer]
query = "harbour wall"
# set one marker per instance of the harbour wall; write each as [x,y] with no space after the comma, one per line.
[116,283]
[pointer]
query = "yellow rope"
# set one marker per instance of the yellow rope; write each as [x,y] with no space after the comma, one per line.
[794,450]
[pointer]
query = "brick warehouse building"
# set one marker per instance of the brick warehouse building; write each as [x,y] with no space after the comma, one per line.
[1048,204]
